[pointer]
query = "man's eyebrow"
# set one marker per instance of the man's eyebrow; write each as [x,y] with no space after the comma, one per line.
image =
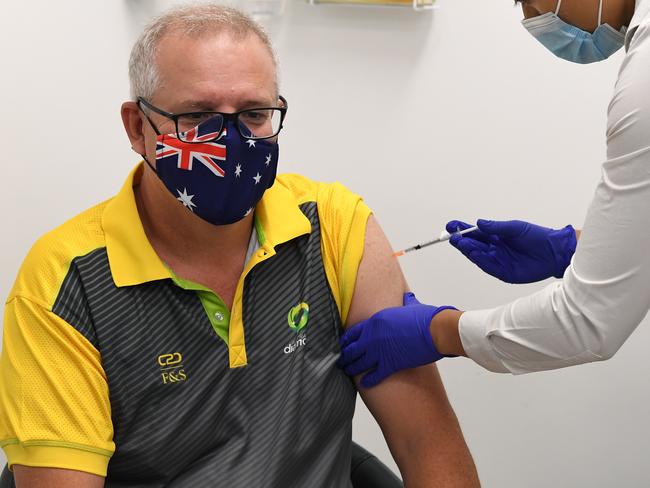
[253,103]
[197,105]
[209,106]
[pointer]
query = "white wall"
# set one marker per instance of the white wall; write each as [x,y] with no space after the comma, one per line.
[455,114]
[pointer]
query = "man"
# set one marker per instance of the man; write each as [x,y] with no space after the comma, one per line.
[185,333]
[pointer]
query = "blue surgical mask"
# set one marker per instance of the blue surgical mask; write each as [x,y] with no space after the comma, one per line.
[573,44]
[220,181]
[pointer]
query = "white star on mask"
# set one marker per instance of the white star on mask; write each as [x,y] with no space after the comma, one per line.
[186,199]
[248,212]
[238,170]
[257,178]
[268,160]
[250,142]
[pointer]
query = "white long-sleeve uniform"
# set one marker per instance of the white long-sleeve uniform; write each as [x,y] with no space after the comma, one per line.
[605,292]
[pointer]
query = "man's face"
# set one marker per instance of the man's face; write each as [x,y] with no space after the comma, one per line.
[209,73]
[580,13]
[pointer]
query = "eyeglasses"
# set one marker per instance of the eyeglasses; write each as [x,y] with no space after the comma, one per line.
[252,123]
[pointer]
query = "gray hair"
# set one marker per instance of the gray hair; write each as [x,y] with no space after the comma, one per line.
[191,20]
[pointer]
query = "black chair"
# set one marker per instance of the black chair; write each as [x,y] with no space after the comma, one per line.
[7,479]
[367,472]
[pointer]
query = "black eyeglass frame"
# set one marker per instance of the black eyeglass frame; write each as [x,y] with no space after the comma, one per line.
[234,116]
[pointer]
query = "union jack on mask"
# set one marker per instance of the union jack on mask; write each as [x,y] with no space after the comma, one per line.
[220,181]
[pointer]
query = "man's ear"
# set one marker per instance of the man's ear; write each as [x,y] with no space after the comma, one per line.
[133,125]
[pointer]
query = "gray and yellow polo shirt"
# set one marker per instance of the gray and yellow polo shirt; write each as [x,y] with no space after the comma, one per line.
[113,365]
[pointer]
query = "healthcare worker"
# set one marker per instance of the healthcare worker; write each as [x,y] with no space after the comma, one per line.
[604,292]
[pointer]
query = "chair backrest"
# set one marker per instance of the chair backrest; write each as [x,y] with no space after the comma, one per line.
[369,472]
[7,478]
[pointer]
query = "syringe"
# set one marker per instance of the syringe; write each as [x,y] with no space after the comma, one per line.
[444,236]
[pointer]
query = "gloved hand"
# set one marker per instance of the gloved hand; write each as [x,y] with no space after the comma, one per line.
[391,340]
[515,251]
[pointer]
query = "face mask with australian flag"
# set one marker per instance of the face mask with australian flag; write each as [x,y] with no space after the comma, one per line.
[220,181]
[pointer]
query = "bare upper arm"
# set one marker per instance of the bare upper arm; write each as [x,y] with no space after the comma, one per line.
[411,406]
[32,477]
[371,295]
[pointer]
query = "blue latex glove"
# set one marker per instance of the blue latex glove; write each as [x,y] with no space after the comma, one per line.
[515,251]
[391,340]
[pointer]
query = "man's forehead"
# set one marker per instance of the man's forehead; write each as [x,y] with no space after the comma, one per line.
[200,71]
[187,44]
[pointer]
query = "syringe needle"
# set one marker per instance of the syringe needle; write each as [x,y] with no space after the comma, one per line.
[444,236]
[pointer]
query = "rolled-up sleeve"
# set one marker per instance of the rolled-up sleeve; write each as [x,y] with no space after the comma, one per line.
[605,292]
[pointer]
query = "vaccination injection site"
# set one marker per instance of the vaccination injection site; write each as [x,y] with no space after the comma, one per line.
[325,244]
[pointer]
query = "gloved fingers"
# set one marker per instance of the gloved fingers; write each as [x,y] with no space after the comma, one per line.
[457,225]
[502,228]
[467,245]
[352,334]
[489,264]
[350,353]
[410,299]
[361,365]
[479,254]
[373,378]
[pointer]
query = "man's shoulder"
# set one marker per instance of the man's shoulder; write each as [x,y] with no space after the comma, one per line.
[343,217]
[48,261]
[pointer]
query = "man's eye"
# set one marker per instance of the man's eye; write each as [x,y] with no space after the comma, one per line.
[189,121]
[255,116]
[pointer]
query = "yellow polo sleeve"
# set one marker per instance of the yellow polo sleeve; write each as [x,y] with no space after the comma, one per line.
[54,400]
[343,216]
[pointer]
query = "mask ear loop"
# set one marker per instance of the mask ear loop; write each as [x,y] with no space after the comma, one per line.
[144,156]
[600,13]
[559,4]
[148,163]
[153,126]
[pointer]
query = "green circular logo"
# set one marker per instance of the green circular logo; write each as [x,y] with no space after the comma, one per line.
[298,317]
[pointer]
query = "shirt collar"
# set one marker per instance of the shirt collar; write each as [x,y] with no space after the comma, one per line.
[133,260]
[131,257]
[279,218]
